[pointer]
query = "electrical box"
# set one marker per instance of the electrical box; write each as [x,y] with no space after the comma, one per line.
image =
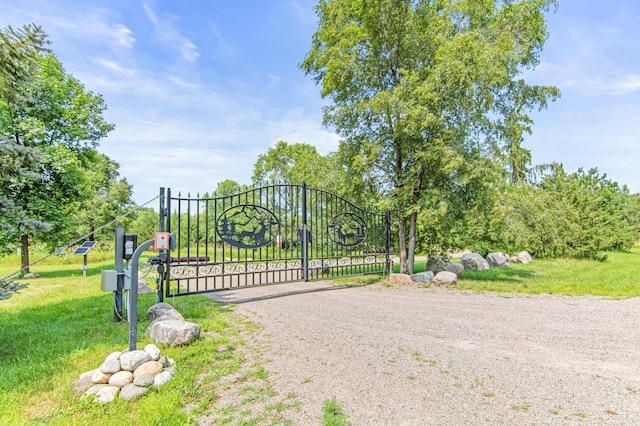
[130,245]
[109,280]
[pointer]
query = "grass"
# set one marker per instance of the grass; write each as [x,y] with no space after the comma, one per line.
[333,414]
[618,276]
[61,325]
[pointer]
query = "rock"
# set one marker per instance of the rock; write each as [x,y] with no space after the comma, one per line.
[121,379]
[98,377]
[132,391]
[81,385]
[171,370]
[498,259]
[143,287]
[143,380]
[163,312]
[474,262]
[107,394]
[162,379]
[153,351]
[400,279]
[164,361]
[445,278]
[524,257]
[173,332]
[95,388]
[110,365]
[423,277]
[30,275]
[131,360]
[454,267]
[150,367]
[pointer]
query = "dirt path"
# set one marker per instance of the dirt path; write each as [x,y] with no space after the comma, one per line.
[416,356]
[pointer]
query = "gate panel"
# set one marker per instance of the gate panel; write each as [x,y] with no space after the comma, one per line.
[269,235]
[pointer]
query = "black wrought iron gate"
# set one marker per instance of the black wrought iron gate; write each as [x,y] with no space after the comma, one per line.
[269,235]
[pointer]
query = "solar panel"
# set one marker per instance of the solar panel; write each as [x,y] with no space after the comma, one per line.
[81,250]
[88,244]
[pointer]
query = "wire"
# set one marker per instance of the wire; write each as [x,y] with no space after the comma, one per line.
[15,274]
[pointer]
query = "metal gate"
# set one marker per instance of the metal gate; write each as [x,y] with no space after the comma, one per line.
[268,235]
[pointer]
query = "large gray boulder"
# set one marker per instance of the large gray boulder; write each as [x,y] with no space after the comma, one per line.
[163,311]
[474,262]
[524,257]
[498,259]
[454,267]
[423,277]
[173,332]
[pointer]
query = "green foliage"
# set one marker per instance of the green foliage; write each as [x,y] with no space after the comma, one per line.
[8,286]
[145,224]
[333,414]
[420,89]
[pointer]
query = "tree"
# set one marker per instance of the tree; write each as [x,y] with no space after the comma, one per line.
[55,118]
[420,88]
[110,196]
[19,164]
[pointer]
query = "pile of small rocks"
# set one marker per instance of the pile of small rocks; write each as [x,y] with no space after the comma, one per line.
[126,374]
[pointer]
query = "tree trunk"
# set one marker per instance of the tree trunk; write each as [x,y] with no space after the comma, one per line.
[412,242]
[402,237]
[25,254]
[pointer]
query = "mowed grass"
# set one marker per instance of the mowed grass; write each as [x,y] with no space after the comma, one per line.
[618,276]
[62,325]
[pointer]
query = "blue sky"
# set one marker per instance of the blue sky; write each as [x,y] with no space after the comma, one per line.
[198,89]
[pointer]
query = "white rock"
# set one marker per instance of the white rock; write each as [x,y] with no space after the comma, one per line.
[131,360]
[162,379]
[107,394]
[121,379]
[153,351]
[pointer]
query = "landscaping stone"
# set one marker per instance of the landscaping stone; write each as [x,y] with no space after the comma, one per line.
[132,360]
[110,365]
[455,267]
[121,379]
[143,380]
[132,391]
[400,279]
[173,332]
[423,277]
[107,394]
[153,351]
[445,278]
[95,388]
[474,262]
[524,257]
[163,312]
[150,367]
[99,377]
[498,259]
[81,385]
[162,379]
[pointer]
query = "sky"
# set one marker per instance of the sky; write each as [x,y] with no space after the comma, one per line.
[199,89]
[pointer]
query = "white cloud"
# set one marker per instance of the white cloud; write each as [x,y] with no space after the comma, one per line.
[168,34]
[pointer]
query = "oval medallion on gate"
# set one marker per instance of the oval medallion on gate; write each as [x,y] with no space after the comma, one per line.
[347,229]
[248,226]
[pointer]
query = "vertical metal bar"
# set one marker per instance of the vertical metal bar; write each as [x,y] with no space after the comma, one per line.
[388,232]
[161,267]
[117,295]
[305,239]
[168,257]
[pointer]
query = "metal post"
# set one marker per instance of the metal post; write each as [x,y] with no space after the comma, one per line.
[160,279]
[305,235]
[117,295]
[133,294]
[388,232]
[84,266]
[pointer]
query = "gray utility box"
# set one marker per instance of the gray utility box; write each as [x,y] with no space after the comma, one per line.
[109,280]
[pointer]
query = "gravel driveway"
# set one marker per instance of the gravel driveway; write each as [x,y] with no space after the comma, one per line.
[432,356]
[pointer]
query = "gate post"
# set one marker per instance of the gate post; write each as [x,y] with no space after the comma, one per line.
[305,235]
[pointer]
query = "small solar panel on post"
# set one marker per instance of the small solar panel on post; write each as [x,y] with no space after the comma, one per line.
[84,249]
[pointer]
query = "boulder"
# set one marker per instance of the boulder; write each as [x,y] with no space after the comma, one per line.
[423,277]
[131,360]
[163,312]
[132,391]
[143,380]
[81,385]
[98,377]
[111,364]
[445,278]
[498,259]
[454,267]
[173,332]
[400,279]
[524,257]
[474,262]
[436,264]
